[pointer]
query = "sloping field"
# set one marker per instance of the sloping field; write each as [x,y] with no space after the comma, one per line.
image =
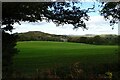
[44,54]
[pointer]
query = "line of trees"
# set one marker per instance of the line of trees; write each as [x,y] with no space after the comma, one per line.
[97,40]
[41,36]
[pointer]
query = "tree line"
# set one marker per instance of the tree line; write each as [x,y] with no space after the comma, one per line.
[96,40]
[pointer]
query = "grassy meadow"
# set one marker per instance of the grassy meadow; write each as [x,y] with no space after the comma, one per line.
[47,54]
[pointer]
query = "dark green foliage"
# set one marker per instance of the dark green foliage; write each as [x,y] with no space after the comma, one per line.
[8,51]
[73,39]
[118,40]
[83,39]
[97,40]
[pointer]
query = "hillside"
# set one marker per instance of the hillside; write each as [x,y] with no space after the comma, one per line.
[40,36]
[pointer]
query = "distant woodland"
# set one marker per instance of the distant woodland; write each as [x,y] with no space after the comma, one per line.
[87,39]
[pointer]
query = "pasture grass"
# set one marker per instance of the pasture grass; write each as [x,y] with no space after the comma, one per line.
[47,54]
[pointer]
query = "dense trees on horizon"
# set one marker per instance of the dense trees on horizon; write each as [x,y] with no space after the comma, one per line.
[95,39]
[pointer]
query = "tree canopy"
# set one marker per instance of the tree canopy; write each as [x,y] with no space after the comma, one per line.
[111,11]
[59,12]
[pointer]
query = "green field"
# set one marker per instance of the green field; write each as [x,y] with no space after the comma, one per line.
[44,54]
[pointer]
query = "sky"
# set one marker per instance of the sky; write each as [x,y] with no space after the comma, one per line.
[96,25]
